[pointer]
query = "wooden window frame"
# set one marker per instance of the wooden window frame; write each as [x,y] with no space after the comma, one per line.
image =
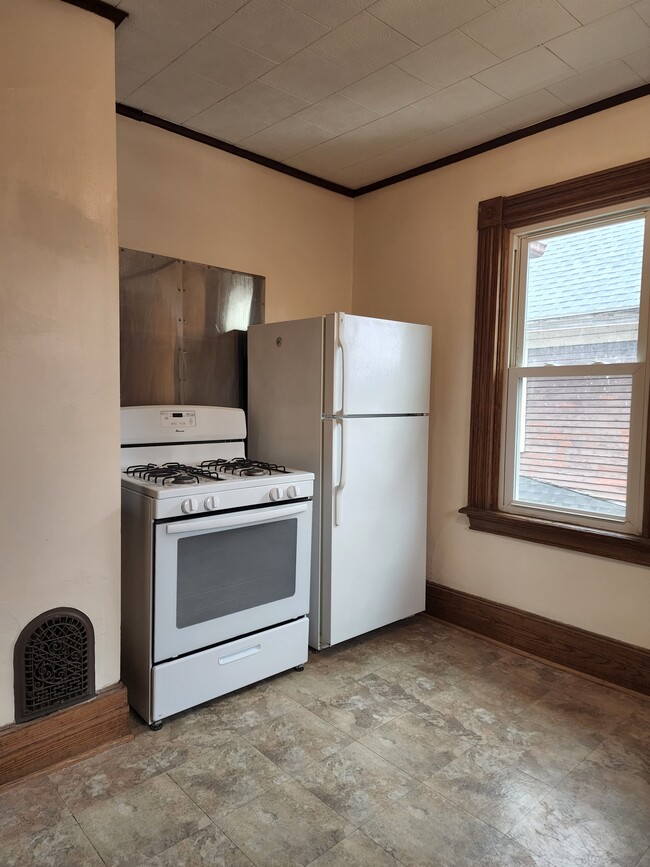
[497,219]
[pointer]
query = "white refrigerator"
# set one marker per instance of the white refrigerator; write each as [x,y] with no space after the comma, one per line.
[347,397]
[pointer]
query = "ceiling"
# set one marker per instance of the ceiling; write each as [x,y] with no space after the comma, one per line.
[355,91]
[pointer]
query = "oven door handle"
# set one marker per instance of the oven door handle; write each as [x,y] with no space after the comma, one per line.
[223,522]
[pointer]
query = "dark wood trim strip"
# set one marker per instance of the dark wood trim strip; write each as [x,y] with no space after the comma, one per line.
[202,138]
[607,659]
[598,190]
[104,10]
[37,745]
[517,135]
[602,543]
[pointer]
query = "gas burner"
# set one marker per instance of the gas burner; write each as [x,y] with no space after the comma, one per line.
[181,479]
[243,467]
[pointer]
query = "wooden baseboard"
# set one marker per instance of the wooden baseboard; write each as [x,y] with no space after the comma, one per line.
[35,746]
[604,658]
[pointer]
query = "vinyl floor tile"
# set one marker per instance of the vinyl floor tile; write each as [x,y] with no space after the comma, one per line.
[546,755]
[208,848]
[141,822]
[184,737]
[297,739]
[104,775]
[356,710]
[356,850]
[356,782]
[487,787]
[29,807]
[250,707]
[563,832]
[414,745]
[424,828]
[509,853]
[227,777]
[61,845]
[286,825]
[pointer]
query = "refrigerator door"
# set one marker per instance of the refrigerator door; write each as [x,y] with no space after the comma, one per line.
[374,512]
[376,366]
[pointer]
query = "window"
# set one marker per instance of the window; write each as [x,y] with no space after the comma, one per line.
[558,448]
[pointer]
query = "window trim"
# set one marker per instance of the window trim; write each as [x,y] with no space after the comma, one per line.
[497,218]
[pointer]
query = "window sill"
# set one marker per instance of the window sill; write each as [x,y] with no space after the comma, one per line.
[602,543]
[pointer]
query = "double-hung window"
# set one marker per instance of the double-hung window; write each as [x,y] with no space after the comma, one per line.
[559,439]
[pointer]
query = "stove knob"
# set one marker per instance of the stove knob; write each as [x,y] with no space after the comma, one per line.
[211,503]
[293,491]
[189,506]
[276,493]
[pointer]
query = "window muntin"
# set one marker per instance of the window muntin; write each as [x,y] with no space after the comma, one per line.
[576,391]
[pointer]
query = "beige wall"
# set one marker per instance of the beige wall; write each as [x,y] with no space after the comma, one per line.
[184,199]
[415,259]
[59,527]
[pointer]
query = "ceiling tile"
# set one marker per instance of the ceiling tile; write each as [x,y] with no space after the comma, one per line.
[643,9]
[263,102]
[469,133]
[599,83]
[226,122]
[142,51]
[424,21]
[331,156]
[527,110]
[285,138]
[447,60]
[308,76]
[589,10]
[176,95]
[460,101]
[368,141]
[640,63]
[609,38]
[127,80]
[387,90]
[363,44]
[192,19]
[224,62]
[517,25]
[337,114]
[271,28]
[330,12]
[526,73]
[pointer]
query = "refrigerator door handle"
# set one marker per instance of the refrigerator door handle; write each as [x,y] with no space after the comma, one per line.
[342,472]
[341,346]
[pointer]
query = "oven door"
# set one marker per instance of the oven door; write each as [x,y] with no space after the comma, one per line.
[222,576]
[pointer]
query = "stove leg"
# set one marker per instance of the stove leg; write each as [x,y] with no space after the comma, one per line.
[156,726]
[299,668]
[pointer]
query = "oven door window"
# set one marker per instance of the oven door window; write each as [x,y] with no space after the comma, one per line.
[234,570]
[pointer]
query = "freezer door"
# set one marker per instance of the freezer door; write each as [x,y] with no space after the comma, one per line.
[374,513]
[376,366]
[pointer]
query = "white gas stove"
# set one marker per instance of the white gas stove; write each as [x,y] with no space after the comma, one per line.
[216,559]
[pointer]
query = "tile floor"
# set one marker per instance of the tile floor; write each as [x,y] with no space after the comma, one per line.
[415,745]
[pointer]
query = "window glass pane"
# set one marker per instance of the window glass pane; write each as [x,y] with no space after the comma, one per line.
[572,451]
[582,295]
